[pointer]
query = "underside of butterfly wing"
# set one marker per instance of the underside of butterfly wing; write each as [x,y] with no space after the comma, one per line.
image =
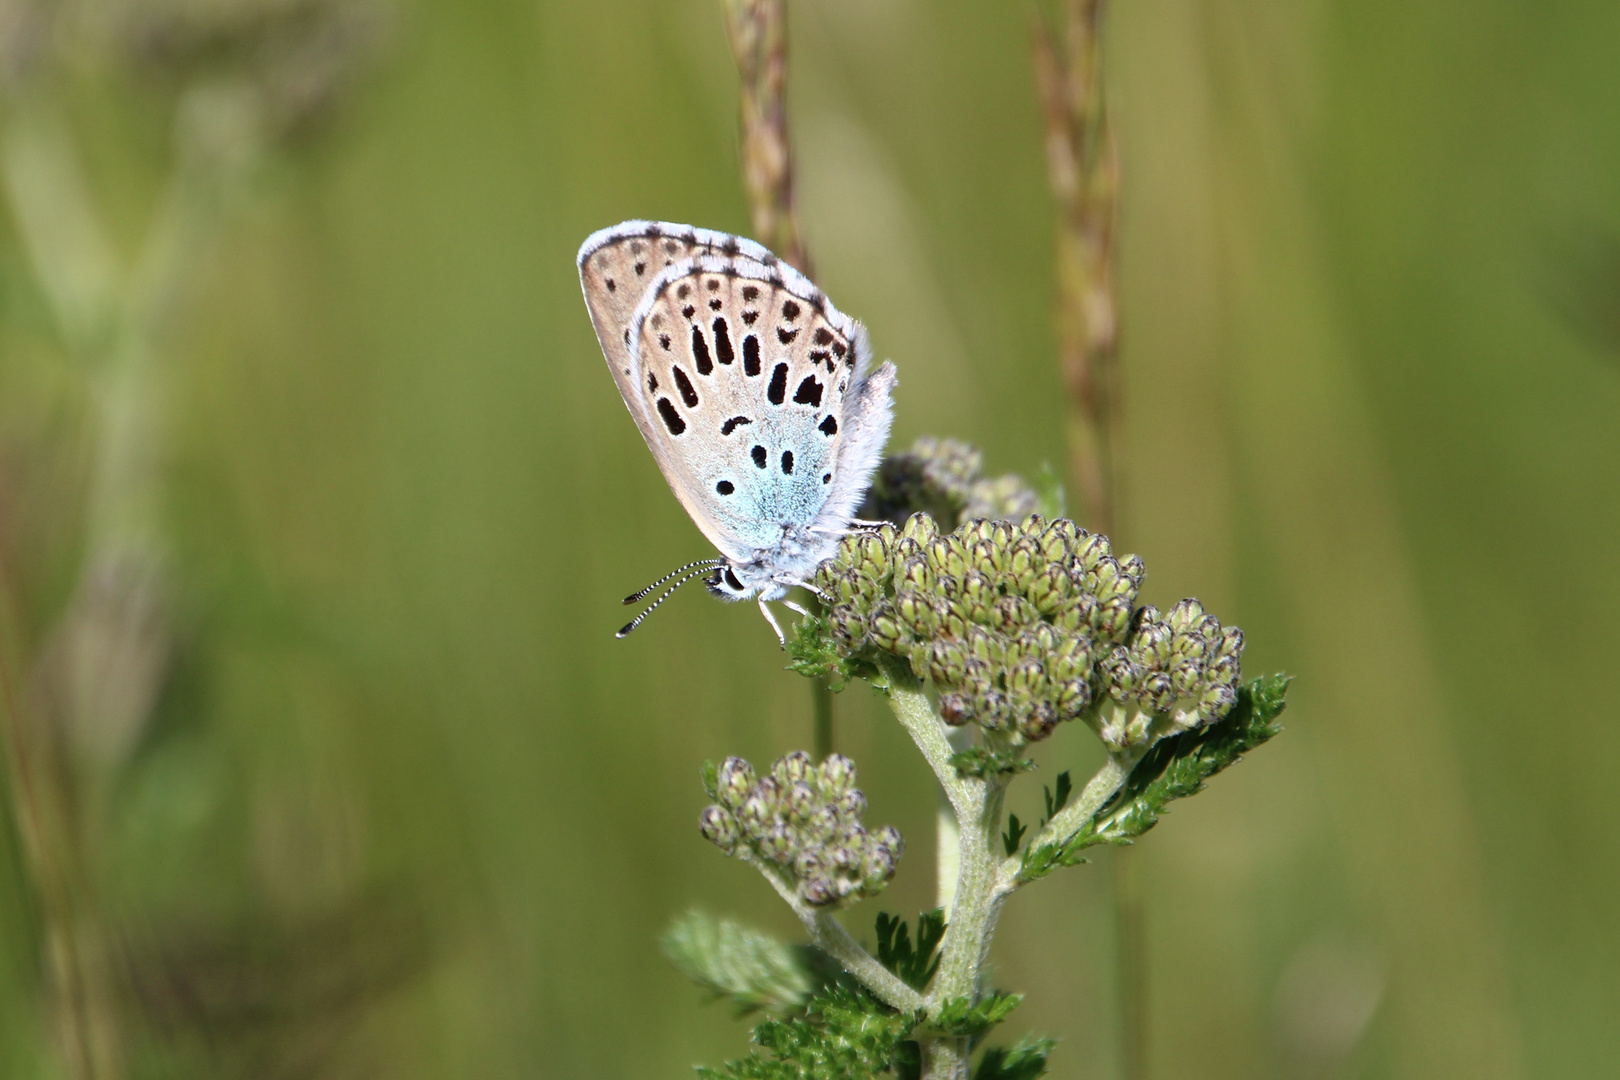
[743,374]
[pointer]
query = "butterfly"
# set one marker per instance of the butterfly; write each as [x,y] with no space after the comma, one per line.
[755,395]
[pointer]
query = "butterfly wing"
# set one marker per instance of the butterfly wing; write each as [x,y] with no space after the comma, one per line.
[743,370]
[615,267]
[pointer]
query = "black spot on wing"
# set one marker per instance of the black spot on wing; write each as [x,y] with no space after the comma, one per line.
[612,285]
[777,391]
[724,487]
[786,335]
[714,305]
[790,311]
[641,268]
[809,392]
[722,342]
[758,454]
[700,352]
[682,291]
[672,419]
[750,292]
[750,355]
[688,394]
[787,462]
[733,424]
[652,383]
[823,336]
[749,317]
[688,311]
[829,426]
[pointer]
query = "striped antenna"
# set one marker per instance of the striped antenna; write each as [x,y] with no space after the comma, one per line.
[637,597]
[639,619]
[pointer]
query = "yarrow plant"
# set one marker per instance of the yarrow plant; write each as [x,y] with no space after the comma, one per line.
[983,635]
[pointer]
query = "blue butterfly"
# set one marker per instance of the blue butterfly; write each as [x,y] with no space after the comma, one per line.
[756,397]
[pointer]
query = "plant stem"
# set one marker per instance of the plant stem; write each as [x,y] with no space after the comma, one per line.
[975,807]
[1098,790]
[831,937]
[821,708]
[758,33]
[1083,166]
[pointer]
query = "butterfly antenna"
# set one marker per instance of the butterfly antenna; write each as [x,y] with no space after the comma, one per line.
[652,607]
[637,597]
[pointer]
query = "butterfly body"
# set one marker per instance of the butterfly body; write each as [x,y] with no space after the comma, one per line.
[755,395]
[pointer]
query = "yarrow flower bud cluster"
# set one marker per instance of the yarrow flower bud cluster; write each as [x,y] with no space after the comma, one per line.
[804,822]
[944,478]
[1023,626]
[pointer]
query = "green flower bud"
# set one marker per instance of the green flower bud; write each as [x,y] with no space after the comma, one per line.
[877,868]
[917,613]
[948,556]
[849,551]
[887,633]
[1090,550]
[1056,543]
[1039,722]
[1156,692]
[1012,613]
[1134,568]
[873,548]
[955,709]
[1231,642]
[889,837]
[992,711]
[852,805]
[1026,682]
[978,596]
[978,529]
[987,559]
[1151,646]
[777,844]
[818,892]
[953,624]
[801,801]
[1050,589]
[1222,671]
[1185,616]
[734,782]
[1032,527]
[790,767]
[986,645]
[915,573]
[1186,677]
[1040,639]
[808,863]
[920,528]
[1073,695]
[1069,658]
[978,677]
[769,790]
[1112,618]
[837,775]
[1024,561]
[822,825]
[1215,703]
[719,828]
[947,665]
[849,628]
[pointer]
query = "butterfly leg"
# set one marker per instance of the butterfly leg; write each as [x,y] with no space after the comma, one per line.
[780,639]
[791,606]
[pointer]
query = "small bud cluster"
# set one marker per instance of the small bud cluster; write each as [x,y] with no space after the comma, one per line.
[1022,626]
[804,821]
[943,478]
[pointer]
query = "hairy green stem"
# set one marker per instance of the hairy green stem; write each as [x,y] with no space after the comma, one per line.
[976,900]
[1068,821]
[831,937]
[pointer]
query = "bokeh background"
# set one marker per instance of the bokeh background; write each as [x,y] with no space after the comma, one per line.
[316,505]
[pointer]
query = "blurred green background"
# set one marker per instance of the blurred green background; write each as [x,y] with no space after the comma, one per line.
[386,797]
